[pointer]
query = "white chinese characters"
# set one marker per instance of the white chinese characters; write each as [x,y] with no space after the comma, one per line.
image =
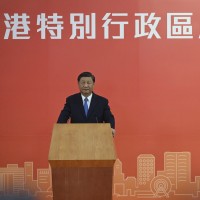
[114,26]
[83,26]
[179,26]
[142,23]
[52,24]
[17,26]
[109,21]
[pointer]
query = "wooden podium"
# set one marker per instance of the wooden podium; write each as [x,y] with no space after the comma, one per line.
[82,157]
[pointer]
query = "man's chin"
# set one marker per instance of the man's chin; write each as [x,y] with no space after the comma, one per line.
[86,93]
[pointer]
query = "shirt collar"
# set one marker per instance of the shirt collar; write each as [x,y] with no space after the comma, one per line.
[89,98]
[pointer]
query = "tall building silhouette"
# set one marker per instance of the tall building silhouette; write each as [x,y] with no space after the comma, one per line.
[145,170]
[119,187]
[30,184]
[122,186]
[28,173]
[177,167]
[12,179]
[1,184]
[44,179]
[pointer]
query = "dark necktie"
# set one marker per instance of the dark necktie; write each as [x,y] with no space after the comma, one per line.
[86,105]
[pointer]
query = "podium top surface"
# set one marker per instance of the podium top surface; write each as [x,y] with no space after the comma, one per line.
[82,145]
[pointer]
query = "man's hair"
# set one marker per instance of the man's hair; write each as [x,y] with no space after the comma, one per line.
[86,74]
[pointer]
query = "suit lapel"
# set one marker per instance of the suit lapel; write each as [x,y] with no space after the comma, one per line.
[80,104]
[92,104]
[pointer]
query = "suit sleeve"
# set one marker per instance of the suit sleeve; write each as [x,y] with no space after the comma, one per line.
[108,116]
[65,112]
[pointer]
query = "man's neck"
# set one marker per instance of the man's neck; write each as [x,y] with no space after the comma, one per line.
[86,95]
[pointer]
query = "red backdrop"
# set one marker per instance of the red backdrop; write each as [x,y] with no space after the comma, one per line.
[152,84]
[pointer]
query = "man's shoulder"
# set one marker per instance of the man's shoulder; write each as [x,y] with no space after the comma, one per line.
[101,98]
[74,96]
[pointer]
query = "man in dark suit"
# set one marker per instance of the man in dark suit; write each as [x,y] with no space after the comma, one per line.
[86,106]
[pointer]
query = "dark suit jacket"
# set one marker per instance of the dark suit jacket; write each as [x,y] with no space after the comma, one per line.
[99,111]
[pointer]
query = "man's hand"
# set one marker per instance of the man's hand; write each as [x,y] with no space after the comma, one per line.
[113,132]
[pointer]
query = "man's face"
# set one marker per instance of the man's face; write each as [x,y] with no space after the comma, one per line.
[86,86]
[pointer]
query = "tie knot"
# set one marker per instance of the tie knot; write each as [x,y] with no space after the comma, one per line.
[86,99]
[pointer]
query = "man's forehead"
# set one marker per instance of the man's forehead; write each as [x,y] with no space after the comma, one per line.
[86,79]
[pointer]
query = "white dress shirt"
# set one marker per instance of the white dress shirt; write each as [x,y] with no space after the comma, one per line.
[89,100]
